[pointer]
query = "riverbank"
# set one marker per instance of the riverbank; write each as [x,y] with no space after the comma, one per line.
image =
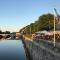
[42,50]
[25,45]
[28,37]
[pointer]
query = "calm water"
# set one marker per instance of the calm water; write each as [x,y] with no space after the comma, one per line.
[12,50]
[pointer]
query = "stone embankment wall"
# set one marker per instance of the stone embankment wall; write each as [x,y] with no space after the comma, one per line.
[40,52]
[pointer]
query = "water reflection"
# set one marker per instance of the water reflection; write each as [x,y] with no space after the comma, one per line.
[12,50]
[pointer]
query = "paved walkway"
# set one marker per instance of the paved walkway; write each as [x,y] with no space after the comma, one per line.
[48,50]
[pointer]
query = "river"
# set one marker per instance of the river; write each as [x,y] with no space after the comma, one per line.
[12,50]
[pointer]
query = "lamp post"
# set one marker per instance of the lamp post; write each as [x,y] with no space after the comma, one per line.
[54,31]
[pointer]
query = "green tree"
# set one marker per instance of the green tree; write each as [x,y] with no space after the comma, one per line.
[44,22]
[0,32]
[7,32]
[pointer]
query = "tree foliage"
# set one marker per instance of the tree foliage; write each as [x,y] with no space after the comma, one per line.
[44,22]
[6,32]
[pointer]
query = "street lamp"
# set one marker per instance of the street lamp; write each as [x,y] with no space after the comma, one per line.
[54,30]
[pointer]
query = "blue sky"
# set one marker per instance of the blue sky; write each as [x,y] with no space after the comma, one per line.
[15,14]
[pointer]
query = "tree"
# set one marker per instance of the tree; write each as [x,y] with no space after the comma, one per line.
[7,32]
[44,22]
[0,32]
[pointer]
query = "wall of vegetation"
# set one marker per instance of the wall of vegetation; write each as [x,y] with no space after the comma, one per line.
[44,22]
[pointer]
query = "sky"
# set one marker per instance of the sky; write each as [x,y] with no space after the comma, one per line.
[15,14]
